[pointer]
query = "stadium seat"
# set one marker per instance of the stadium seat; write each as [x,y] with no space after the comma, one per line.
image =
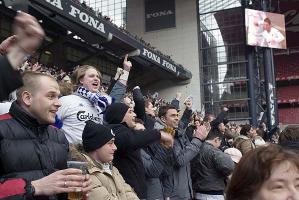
[288,94]
[286,67]
[288,115]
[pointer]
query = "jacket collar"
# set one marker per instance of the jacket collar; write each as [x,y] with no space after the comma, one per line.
[159,124]
[94,166]
[23,116]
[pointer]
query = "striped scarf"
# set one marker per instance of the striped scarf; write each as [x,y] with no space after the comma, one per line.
[100,102]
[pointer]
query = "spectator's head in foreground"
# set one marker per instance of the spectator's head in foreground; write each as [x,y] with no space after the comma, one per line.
[266,173]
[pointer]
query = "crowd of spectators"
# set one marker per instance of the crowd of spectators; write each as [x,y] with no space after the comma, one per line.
[136,146]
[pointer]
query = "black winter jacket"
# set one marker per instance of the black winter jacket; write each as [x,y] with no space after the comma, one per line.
[127,158]
[27,149]
[139,109]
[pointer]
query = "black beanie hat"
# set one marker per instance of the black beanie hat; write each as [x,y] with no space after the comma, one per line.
[116,113]
[95,136]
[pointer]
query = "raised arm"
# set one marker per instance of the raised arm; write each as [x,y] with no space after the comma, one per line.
[130,139]
[28,35]
[119,89]
[183,123]
[139,108]
[183,155]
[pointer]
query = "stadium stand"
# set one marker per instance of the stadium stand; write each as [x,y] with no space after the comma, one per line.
[288,115]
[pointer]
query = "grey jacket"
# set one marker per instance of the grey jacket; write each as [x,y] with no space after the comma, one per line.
[177,183]
[118,92]
[155,158]
[209,169]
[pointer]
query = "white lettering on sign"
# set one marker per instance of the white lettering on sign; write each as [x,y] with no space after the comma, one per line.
[82,16]
[169,66]
[56,3]
[159,14]
[272,104]
[151,56]
[85,18]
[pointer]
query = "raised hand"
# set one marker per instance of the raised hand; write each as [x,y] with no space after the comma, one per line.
[188,104]
[200,132]
[166,139]
[36,67]
[119,72]
[178,95]
[28,37]
[207,125]
[6,44]
[127,64]
[29,34]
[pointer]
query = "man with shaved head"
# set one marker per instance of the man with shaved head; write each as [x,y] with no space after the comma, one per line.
[30,148]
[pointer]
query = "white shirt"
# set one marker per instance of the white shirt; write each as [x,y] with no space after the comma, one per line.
[273,38]
[75,110]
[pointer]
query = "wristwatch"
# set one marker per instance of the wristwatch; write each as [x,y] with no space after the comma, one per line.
[30,190]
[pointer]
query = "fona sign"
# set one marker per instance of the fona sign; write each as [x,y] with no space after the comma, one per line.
[150,55]
[87,19]
[159,14]
[78,14]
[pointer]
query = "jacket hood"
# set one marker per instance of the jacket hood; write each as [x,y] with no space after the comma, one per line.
[159,124]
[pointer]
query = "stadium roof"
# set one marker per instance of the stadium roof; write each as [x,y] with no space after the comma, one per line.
[96,31]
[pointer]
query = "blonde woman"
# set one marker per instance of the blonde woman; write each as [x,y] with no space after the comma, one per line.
[86,103]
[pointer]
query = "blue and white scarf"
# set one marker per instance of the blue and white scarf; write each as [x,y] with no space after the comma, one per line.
[100,102]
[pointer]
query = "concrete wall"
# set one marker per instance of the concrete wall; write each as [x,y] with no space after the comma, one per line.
[181,43]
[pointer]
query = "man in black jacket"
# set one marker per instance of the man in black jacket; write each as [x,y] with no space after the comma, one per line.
[121,119]
[28,36]
[155,157]
[30,148]
[210,168]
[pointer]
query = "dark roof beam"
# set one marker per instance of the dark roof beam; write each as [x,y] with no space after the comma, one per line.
[98,53]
